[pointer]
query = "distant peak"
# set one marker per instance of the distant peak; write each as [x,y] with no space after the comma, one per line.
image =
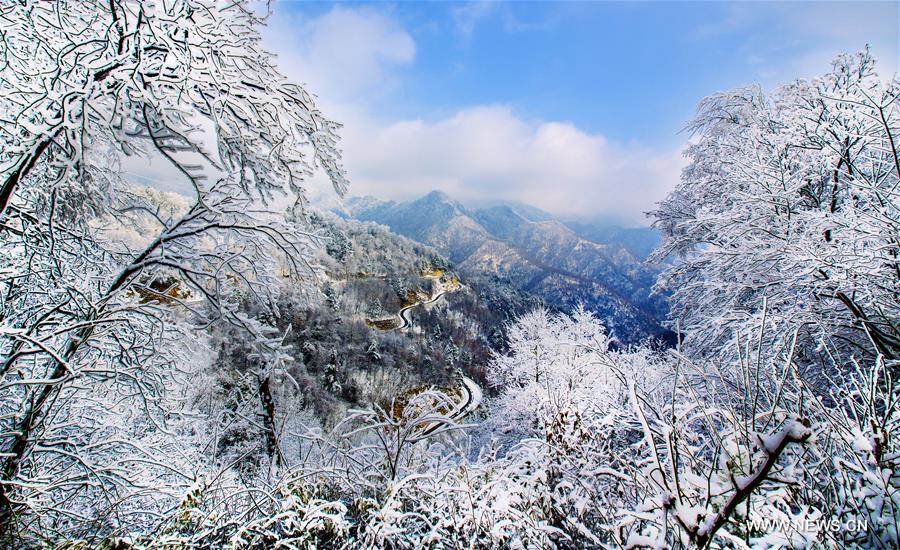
[504,210]
[439,198]
[438,193]
[357,205]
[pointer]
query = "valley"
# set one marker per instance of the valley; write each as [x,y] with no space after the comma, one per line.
[536,254]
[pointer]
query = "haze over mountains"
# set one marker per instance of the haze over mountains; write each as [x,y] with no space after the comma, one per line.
[600,267]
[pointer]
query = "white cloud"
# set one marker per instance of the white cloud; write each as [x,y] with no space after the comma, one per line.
[486,153]
[478,153]
[468,14]
[342,54]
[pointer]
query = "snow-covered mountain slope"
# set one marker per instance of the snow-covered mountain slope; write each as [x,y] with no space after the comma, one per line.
[533,251]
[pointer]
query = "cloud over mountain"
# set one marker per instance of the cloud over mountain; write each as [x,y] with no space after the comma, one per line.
[476,152]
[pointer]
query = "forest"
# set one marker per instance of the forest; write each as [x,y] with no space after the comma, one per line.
[239,369]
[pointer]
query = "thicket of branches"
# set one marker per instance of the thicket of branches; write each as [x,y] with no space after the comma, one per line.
[587,447]
[99,334]
[791,197]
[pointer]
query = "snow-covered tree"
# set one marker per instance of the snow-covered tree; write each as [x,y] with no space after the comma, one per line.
[105,291]
[791,198]
[182,78]
[553,361]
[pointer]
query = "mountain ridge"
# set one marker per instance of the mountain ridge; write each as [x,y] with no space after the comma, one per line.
[535,252]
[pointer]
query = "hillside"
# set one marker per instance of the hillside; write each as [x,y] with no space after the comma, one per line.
[639,241]
[349,348]
[535,253]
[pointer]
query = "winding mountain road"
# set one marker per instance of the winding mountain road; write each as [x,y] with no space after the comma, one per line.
[470,392]
[404,320]
[471,398]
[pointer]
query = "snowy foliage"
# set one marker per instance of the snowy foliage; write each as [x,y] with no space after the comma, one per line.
[662,453]
[107,290]
[792,197]
[168,379]
[170,77]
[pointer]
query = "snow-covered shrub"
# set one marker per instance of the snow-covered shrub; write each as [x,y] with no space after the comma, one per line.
[638,449]
[625,448]
[865,465]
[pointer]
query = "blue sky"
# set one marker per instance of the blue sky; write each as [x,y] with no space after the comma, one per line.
[573,107]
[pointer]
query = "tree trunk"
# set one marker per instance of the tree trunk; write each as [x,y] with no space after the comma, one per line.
[268,403]
[24,166]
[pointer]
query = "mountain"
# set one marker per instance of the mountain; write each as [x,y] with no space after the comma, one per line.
[639,241]
[535,252]
[527,211]
[351,347]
